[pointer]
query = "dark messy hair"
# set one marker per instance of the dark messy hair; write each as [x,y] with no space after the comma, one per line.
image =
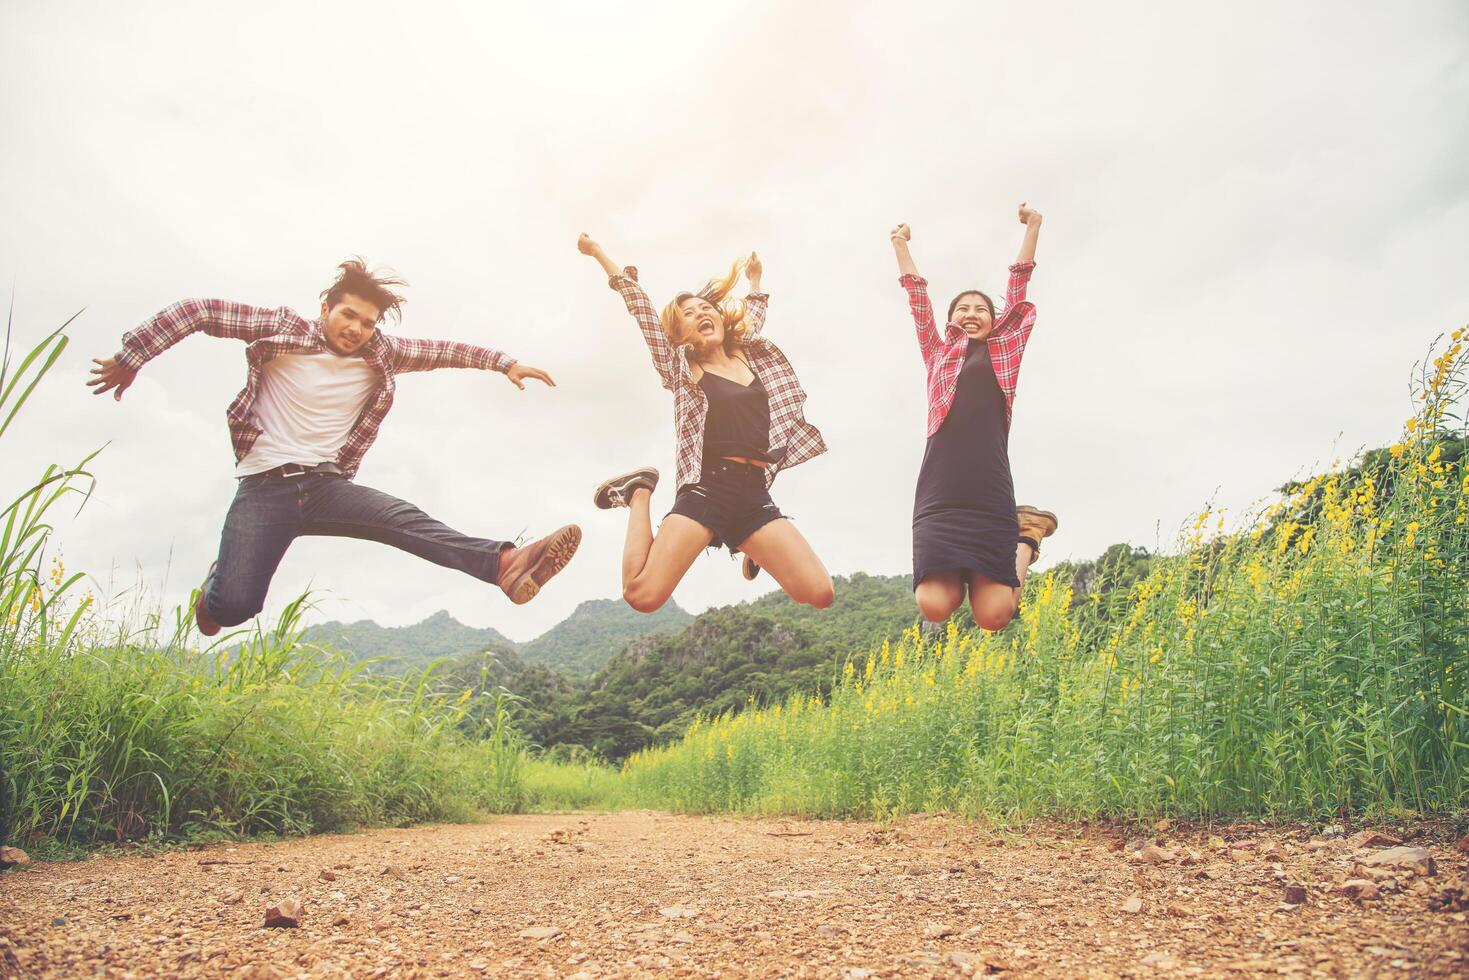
[970,292]
[354,278]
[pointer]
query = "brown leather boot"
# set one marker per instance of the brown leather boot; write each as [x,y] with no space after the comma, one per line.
[524,570]
[1035,524]
[202,619]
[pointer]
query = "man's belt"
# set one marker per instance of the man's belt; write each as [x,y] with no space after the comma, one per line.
[293,470]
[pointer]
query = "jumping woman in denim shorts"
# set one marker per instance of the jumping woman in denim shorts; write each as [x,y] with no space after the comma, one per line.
[738,419]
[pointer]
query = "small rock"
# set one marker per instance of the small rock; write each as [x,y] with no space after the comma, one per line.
[1333,830]
[1046,903]
[966,961]
[922,960]
[935,930]
[871,869]
[58,920]
[1360,889]
[972,932]
[13,856]
[1295,894]
[1270,850]
[857,973]
[1133,905]
[1371,838]
[830,931]
[540,932]
[452,880]
[285,914]
[1163,826]
[1414,859]
[1160,960]
[340,920]
[1463,844]
[327,875]
[474,910]
[1153,854]
[1238,856]
[678,912]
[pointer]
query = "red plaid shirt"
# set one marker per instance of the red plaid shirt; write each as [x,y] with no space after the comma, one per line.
[270,333]
[943,356]
[792,439]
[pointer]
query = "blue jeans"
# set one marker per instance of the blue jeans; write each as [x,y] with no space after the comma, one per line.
[269,512]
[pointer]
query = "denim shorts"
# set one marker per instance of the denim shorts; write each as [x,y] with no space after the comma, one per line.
[730,499]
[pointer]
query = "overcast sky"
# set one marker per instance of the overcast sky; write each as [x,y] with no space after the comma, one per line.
[1256,219]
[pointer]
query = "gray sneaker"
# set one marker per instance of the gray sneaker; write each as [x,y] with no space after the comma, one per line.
[618,491]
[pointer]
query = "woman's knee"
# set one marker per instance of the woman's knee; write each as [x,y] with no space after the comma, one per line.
[992,613]
[938,600]
[645,596]
[819,595]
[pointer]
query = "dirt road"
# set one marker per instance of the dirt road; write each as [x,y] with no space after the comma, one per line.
[643,894]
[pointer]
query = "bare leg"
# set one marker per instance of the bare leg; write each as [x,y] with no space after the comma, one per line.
[639,535]
[1024,555]
[994,603]
[784,552]
[653,566]
[939,594]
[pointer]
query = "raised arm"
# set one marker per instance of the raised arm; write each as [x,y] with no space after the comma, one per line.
[917,287]
[216,317]
[1025,261]
[757,302]
[625,281]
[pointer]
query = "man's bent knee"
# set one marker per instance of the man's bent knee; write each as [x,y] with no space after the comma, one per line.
[229,610]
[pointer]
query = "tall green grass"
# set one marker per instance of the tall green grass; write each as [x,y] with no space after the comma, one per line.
[111,732]
[1309,658]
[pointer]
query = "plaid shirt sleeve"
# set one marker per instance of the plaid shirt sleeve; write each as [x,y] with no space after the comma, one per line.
[416,354]
[929,343]
[1019,315]
[756,305]
[642,311]
[216,317]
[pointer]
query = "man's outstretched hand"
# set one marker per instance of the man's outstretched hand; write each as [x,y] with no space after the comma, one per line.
[519,372]
[111,376]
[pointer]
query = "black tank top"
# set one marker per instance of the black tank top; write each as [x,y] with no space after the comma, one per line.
[738,423]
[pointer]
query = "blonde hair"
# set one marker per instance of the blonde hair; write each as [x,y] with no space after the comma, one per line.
[716,291]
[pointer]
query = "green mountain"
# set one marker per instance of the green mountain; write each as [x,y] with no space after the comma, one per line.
[764,649]
[405,648]
[583,642]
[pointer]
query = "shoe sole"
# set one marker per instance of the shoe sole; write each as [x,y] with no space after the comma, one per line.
[647,472]
[745,569]
[558,553]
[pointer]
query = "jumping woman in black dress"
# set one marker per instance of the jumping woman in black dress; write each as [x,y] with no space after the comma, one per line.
[967,532]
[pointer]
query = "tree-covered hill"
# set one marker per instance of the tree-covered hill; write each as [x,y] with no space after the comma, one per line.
[582,643]
[403,648]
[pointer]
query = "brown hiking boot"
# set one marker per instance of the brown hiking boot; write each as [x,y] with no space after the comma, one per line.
[1035,524]
[524,570]
[202,619]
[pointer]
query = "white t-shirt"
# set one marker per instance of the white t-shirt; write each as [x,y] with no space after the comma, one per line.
[306,408]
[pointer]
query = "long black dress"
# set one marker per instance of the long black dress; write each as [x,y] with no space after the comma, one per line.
[964,510]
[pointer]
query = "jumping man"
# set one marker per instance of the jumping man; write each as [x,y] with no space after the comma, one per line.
[314,397]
